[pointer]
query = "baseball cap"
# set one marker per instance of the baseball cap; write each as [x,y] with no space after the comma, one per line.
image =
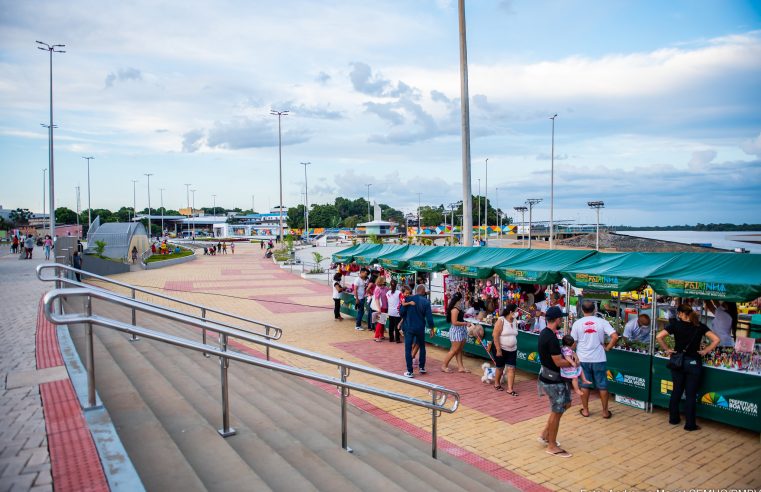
[554,313]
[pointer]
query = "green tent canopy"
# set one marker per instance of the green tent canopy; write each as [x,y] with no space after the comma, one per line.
[723,276]
[623,272]
[436,259]
[539,266]
[348,254]
[371,256]
[399,259]
[480,262]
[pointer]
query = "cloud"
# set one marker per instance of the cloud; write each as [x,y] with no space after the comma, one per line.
[192,140]
[363,80]
[752,146]
[123,75]
[161,130]
[245,133]
[317,112]
[438,96]
[387,111]
[700,158]
[507,6]
[322,78]
[547,157]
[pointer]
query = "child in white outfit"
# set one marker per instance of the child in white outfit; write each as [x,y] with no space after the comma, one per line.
[574,372]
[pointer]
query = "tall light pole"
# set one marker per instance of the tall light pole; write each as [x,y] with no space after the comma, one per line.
[499,216]
[419,230]
[369,216]
[597,206]
[78,207]
[48,179]
[187,195]
[486,202]
[467,194]
[134,200]
[51,48]
[193,211]
[531,202]
[149,203]
[552,185]
[253,207]
[161,190]
[522,210]
[44,184]
[89,213]
[279,115]
[214,200]
[479,211]
[306,201]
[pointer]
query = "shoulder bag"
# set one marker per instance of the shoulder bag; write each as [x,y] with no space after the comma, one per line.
[676,361]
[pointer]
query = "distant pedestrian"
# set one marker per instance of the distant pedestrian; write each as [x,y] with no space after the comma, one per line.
[219,246]
[134,254]
[416,317]
[337,291]
[76,262]
[232,248]
[589,333]
[261,244]
[458,333]
[205,251]
[360,286]
[15,244]
[381,303]
[393,297]
[224,248]
[47,244]
[28,247]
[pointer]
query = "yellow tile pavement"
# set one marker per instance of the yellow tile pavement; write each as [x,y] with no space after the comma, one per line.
[632,450]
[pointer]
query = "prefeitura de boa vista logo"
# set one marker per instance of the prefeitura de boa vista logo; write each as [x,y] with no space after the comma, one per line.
[529,356]
[597,280]
[687,287]
[621,378]
[714,399]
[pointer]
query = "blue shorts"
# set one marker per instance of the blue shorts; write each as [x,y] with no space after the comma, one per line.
[596,373]
[559,395]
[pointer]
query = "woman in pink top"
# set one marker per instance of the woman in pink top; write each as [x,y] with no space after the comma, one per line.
[48,244]
[380,301]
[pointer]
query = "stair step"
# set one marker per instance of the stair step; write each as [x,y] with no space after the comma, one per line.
[137,426]
[215,463]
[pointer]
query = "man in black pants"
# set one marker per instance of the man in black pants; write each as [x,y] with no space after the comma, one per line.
[550,381]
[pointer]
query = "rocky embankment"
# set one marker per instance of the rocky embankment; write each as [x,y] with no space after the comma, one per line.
[620,242]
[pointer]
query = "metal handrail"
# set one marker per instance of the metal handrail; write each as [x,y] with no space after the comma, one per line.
[270,331]
[440,396]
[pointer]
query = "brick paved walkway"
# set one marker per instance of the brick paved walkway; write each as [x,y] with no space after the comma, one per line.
[24,459]
[632,450]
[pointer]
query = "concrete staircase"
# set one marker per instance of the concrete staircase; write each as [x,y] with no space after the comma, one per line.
[165,404]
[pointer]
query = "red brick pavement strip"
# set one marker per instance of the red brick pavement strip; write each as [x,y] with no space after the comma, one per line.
[277,304]
[473,392]
[46,342]
[424,435]
[73,457]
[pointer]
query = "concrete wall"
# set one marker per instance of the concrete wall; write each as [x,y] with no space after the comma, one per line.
[165,263]
[99,266]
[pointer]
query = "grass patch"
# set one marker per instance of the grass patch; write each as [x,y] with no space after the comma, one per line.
[170,256]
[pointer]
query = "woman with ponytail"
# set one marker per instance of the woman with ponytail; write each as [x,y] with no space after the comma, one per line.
[686,361]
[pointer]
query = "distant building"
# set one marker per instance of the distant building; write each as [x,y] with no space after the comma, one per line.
[378,226]
[120,238]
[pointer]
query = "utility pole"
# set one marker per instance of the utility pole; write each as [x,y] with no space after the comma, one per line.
[279,115]
[597,206]
[531,202]
[486,202]
[150,233]
[89,208]
[51,48]
[552,185]
[467,196]
[306,201]
[522,210]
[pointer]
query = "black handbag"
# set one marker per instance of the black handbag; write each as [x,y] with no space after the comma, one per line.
[676,361]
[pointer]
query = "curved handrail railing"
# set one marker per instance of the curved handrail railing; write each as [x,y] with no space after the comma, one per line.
[440,395]
[270,331]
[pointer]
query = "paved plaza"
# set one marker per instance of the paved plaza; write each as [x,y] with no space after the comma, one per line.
[493,430]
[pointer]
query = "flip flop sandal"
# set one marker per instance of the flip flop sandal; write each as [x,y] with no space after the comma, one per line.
[447,370]
[560,454]
[610,414]
[544,441]
[512,393]
[581,412]
[499,388]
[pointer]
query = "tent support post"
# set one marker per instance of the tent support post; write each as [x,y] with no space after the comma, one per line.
[653,329]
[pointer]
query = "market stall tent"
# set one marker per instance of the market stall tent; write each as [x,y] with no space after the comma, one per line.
[539,266]
[347,255]
[622,272]
[722,276]
[436,259]
[480,262]
[400,258]
[371,255]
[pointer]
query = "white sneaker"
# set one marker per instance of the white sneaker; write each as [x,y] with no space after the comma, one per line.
[409,375]
[359,328]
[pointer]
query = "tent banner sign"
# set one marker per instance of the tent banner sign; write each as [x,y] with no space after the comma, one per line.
[695,288]
[463,270]
[521,275]
[596,281]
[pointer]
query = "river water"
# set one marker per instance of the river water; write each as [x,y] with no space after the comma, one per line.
[719,239]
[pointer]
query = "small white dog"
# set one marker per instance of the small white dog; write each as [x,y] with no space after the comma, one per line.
[489,372]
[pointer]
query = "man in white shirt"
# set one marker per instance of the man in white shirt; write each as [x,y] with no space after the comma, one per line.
[360,284]
[589,333]
[638,329]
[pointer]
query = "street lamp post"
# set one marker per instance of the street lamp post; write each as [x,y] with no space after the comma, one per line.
[531,202]
[150,233]
[134,200]
[467,195]
[253,207]
[161,190]
[78,206]
[552,185]
[306,201]
[486,202]
[369,216]
[44,184]
[279,115]
[499,217]
[89,213]
[522,210]
[479,211]
[597,206]
[214,201]
[419,225]
[187,196]
[193,212]
[51,48]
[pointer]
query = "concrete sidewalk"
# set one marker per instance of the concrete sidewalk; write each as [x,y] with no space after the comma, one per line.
[632,450]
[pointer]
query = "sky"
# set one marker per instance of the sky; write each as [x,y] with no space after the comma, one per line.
[658,104]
